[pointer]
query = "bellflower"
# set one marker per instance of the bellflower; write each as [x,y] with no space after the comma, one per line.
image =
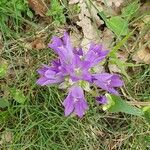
[95,54]
[75,102]
[48,76]
[62,46]
[79,69]
[74,69]
[101,100]
[108,82]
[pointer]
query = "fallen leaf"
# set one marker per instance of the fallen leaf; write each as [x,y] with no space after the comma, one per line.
[6,137]
[73,1]
[144,55]
[89,30]
[117,3]
[114,68]
[76,37]
[39,6]
[144,8]
[108,38]
[1,142]
[1,45]
[38,44]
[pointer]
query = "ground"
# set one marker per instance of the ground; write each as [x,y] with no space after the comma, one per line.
[31,116]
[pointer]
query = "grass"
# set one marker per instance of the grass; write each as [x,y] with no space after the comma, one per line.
[40,124]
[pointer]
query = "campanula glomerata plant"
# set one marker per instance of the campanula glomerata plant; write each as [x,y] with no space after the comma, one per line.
[74,69]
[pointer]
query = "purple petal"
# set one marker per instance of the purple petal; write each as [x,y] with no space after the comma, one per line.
[108,82]
[86,76]
[62,47]
[69,105]
[56,65]
[101,85]
[116,81]
[67,42]
[42,70]
[49,74]
[80,107]
[44,81]
[80,103]
[102,77]
[75,101]
[56,43]
[113,91]
[77,92]
[95,54]
[41,81]
[66,38]
[66,55]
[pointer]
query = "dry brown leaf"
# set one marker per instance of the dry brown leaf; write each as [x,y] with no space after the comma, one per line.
[117,3]
[73,1]
[38,44]
[89,31]
[114,68]
[144,55]
[76,37]
[1,45]
[108,38]
[1,142]
[6,137]
[140,24]
[39,6]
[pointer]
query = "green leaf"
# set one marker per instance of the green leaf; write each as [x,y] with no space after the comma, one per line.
[122,106]
[130,10]
[57,12]
[122,66]
[146,111]
[3,103]
[20,6]
[18,95]
[118,25]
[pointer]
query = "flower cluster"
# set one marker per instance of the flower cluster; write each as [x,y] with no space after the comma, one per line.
[75,66]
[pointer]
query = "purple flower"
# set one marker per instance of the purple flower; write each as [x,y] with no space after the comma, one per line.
[108,82]
[58,67]
[101,100]
[62,46]
[95,54]
[79,69]
[48,76]
[74,66]
[75,102]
